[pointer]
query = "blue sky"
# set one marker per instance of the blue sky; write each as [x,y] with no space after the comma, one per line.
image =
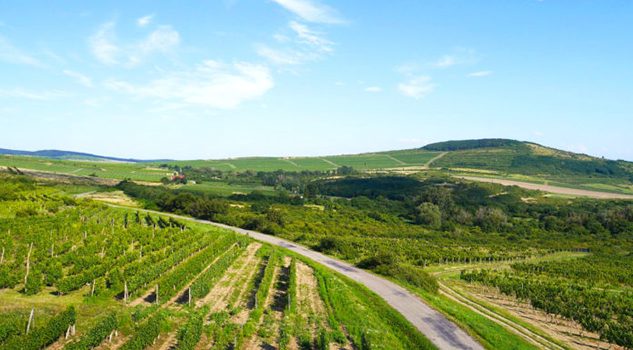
[214,79]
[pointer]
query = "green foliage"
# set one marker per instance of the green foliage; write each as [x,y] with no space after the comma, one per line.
[470,144]
[189,335]
[41,337]
[146,333]
[429,214]
[33,282]
[263,288]
[93,337]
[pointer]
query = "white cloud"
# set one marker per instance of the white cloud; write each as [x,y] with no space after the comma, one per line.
[306,36]
[480,74]
[145,20]
[12,54]
[373,89]
[82,79]
[211,84]
[33,95]
[339,83]
[101,44]
[162,40]
[538,133]
[417,87]
[312,11]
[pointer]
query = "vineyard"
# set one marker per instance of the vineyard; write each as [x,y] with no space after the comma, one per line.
[590,296]
[75,274]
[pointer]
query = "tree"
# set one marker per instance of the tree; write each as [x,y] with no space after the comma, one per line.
[310,191]
[429,214]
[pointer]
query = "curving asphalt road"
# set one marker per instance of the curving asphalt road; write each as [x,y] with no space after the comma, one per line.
[439,330]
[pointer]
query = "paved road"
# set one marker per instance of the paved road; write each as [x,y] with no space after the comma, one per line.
[551,189]
[442,332]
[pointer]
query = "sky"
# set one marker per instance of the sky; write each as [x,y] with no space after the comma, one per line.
[234,78]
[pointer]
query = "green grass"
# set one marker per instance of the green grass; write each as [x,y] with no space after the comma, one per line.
[222,188]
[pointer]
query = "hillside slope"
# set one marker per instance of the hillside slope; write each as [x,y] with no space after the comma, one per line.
[517,157]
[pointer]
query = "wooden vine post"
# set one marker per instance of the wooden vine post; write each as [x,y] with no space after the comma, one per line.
[30,324]
[28,265]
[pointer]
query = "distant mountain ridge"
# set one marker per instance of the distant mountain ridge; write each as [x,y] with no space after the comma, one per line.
[70,155]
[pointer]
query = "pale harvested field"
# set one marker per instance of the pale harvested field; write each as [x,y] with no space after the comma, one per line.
[551,189]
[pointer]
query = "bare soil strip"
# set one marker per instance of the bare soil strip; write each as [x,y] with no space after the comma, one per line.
[330,162]
[428,164]
[395,160]
[220,292]
[243,300]
[551,189]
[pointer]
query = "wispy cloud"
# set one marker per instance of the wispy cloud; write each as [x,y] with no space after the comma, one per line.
[81,79]
[211,84]
[480,74]
[101,44]
[373,89]
[307,36]
[11,54]
[145,20]
[459,56]
[538,133]
[34,95]
[284,56]
[417,87]
[308,45]
[312,11]
[164,39]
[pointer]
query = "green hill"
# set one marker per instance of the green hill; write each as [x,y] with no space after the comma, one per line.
[526,158]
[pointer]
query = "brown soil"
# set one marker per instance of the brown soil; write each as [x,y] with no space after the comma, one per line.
[220,292]
[116,197]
